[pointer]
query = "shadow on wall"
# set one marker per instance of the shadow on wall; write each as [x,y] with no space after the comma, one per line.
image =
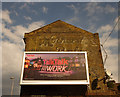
[54,90]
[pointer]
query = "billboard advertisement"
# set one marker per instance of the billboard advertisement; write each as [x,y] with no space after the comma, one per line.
[54,68]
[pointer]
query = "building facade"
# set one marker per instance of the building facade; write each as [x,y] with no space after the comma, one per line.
[61,36]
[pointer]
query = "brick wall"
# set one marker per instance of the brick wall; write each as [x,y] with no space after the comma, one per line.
[61,36]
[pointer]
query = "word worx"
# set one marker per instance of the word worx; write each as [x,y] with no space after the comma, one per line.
[54,65]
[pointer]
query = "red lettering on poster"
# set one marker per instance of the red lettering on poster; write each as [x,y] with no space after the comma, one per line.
[52,65]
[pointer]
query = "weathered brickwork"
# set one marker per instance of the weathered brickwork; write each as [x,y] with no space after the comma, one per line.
[61,36]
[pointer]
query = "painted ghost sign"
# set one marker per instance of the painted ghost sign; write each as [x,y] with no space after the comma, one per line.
[55,68]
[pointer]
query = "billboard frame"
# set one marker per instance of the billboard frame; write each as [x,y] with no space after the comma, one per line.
[55,82]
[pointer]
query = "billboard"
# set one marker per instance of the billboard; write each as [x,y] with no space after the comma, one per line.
[45,68]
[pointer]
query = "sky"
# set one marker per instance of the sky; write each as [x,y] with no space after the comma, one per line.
[22,17]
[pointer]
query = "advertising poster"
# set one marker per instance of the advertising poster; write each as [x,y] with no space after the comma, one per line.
[54,66]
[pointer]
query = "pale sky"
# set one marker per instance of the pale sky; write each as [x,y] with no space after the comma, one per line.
[22,17]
